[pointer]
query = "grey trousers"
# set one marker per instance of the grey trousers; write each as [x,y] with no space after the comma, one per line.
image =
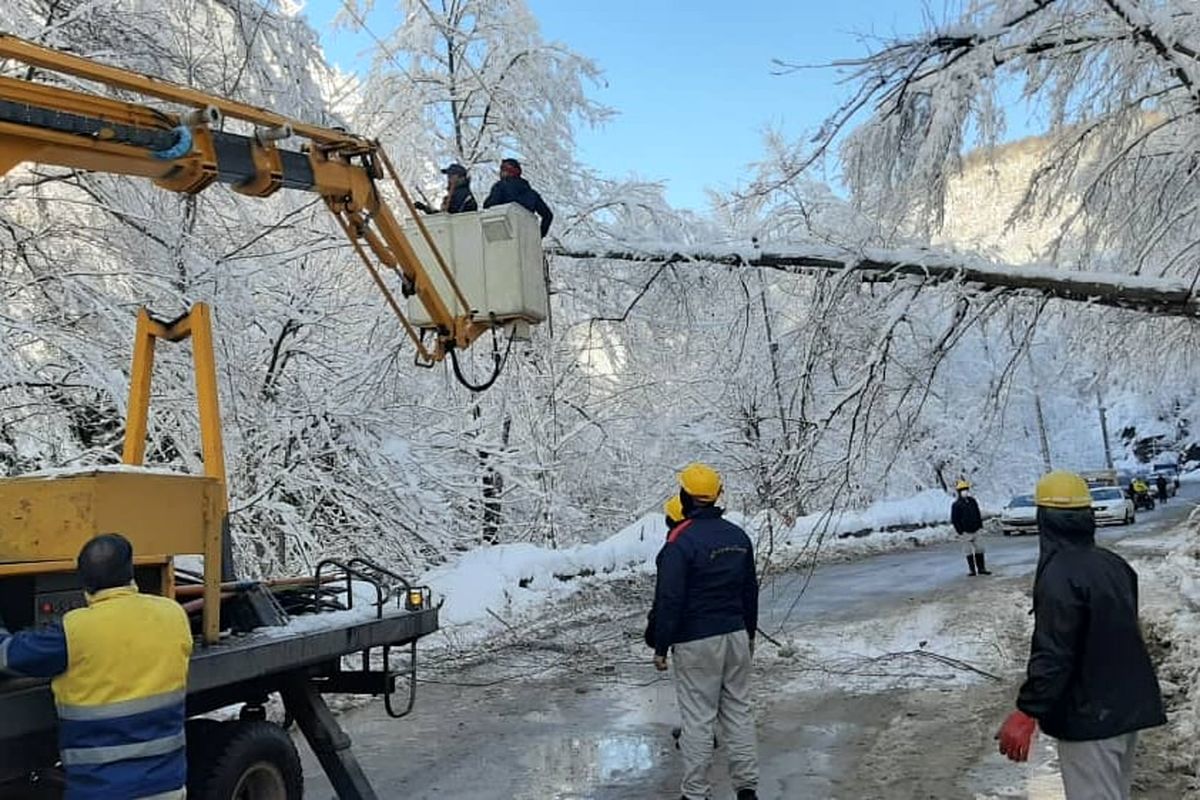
[1099,770]
[712,686]
[972,543]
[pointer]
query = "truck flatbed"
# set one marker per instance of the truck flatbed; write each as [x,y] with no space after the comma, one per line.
[299,662]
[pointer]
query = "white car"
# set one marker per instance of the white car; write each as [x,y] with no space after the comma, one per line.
[1112,506]
[1019,516]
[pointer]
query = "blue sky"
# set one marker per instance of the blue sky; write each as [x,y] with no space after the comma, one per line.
[691,80]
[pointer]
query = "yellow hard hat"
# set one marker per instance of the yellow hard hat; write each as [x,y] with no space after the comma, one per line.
[673,508]
[1062,489]
[701,481]
[962,484]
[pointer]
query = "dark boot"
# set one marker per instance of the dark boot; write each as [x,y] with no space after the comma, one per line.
[971,565]
[983,570]
[747,794]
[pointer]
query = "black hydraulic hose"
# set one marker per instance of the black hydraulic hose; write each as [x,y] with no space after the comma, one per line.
[497,361]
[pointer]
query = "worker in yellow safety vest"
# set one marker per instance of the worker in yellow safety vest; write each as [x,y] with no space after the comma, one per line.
[119,669]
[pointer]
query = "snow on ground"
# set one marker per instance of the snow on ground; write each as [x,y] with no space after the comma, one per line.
[941,643]
[826,536]
[509,581]
[1170,610]
[503,584]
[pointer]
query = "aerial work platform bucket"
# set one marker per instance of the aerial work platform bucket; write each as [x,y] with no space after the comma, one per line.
[496,259]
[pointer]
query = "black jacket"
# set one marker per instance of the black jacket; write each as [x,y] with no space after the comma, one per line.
[462,200]
[965,516]
[707,584]
[1089,676]
[518,190]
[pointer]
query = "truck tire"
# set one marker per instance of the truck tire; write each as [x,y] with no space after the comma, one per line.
[246,761]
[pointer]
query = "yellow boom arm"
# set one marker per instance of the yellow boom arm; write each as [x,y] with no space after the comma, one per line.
[186,152]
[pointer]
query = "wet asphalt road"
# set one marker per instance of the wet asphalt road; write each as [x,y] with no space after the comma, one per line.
[850,590]
[605,738]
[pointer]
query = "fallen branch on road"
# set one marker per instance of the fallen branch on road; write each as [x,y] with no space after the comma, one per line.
[954,663]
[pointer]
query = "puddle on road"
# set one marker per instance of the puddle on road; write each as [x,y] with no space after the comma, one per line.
[576,762]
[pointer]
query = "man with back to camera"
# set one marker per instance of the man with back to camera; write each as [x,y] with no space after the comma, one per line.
[119,669]
[1090,682]
[706,614]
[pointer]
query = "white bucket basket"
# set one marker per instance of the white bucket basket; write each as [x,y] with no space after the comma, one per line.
[495,256]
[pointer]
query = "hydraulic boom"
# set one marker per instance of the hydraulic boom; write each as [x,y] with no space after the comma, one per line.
[186,151]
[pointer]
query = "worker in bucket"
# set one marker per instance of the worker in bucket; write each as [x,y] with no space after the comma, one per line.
[968,522]
[706,616]
[458,197]
[512,188]
[119,669]
[1090,682]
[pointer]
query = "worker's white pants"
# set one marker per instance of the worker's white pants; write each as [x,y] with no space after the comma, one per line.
[972,543]
[1098,770]
[712,685]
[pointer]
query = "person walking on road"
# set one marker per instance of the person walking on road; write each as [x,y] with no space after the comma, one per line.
[706,615]
[1160,483]
[968,522]
[1090,683]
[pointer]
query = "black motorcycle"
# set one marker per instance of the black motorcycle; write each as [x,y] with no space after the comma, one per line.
[1142,501]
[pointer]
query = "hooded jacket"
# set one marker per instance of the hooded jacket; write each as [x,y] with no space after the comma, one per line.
[1089,675]
[514,189]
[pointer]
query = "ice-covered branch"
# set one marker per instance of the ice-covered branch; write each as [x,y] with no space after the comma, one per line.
[1149,294]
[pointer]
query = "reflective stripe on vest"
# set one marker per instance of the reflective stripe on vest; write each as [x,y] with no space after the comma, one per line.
[4,653]
[122,752]
[124,708]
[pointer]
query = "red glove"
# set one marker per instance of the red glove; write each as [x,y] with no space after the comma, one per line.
[1016,735]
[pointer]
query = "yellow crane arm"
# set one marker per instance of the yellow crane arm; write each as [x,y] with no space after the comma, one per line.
[187,151]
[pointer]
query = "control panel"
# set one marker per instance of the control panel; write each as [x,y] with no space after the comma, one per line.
[49,607]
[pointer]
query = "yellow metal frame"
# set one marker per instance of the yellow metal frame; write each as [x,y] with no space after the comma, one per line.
[197,326]
[345,169]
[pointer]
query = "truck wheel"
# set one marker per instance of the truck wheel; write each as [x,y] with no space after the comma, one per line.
[248,761]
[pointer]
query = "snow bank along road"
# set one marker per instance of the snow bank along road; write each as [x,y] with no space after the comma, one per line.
[880,691]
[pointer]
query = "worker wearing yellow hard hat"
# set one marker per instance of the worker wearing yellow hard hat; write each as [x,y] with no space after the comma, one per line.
[968,523]
[674,517]
[1090,683]
[673,509]
[706,616]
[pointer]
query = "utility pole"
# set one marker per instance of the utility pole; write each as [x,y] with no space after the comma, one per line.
[1037,410]
[1108,462]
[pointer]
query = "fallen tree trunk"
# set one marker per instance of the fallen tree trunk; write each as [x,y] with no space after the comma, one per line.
[1135,292]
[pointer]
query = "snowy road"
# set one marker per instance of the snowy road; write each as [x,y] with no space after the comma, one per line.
[853,713]
[851,589]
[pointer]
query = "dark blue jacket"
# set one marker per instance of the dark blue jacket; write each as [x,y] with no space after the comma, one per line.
[518,190]
[707,584]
